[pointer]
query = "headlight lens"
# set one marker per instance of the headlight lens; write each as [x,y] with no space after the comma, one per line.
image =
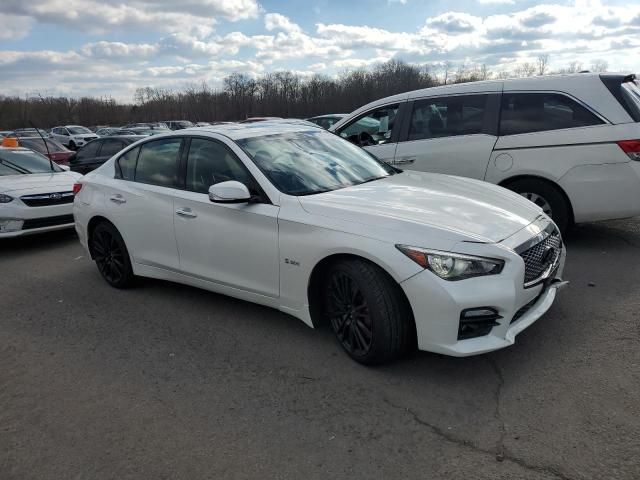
[452,266]
[5,198]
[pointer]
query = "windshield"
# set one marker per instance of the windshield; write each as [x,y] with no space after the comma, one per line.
[24,162]
[78,130]
[304,163]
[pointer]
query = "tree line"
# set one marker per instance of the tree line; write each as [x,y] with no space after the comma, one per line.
[281,94]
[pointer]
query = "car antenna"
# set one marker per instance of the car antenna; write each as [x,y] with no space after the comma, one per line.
[45,146]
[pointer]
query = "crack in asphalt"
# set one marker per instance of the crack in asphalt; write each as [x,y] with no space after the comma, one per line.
[548,470]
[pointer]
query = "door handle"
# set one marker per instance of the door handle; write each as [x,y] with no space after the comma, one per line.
[405,161]
[118,199]
[186,212]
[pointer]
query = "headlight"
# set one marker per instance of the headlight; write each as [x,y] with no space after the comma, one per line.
[5,198]
[452,266]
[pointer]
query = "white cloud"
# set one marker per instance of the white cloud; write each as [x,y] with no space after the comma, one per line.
[14,27]
[275,21]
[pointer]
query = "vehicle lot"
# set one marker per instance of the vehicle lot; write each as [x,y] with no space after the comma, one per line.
[167,381]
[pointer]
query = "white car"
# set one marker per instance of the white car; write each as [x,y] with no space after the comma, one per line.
[569,143]
[73,136]
[36,195]
[298,219]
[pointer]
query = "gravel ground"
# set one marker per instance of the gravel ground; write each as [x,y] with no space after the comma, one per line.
[170,382]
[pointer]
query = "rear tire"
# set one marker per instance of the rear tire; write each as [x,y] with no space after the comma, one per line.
[111,256]
[546,196]
[369,315]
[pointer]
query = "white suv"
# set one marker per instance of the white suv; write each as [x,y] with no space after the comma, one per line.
[569,143]
[73,136]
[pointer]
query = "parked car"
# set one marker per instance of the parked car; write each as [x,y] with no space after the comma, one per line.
[53,149]
[148,131]
[327,121]
[95,153]
[299,219]
[114,132]
[148,126]
[179,124]
[569,143]
[36,195]
[73,136]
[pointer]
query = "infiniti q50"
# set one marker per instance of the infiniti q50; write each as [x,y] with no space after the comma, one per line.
[299,219]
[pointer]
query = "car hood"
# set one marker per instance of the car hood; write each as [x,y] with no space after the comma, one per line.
[479,210]
[38,182]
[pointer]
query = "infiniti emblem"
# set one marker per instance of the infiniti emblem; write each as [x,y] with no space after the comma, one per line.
[548,254]
[55,196]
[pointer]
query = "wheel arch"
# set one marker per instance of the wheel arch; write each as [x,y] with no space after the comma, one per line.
[507,181]
[318,275]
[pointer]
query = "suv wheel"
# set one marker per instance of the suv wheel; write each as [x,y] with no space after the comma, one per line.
[547,197]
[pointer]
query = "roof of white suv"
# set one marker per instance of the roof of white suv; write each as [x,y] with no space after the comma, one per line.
[586,87]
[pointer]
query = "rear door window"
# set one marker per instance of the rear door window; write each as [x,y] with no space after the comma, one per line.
[110,147]
[158,162]
[536,112]
[88,152]
[448,116]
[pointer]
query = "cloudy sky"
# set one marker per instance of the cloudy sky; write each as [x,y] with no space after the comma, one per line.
[111,47]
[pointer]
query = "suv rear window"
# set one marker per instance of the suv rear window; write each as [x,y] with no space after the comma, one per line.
[626,90]
[537,112]
[631,96]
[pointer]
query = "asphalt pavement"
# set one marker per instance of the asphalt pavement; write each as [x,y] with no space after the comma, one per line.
[170,382]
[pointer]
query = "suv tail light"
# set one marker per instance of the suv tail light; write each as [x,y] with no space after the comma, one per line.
[76,188]
[631,148]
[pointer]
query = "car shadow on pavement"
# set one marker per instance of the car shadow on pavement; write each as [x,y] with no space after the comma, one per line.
[32,243]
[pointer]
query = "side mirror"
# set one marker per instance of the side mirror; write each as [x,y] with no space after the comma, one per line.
[229,192]
[66,168]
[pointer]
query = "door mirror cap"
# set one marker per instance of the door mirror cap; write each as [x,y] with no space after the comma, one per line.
[229,192]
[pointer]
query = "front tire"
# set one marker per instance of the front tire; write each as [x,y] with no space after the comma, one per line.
[547,197]
[72,145]
[369,315]
[111,256]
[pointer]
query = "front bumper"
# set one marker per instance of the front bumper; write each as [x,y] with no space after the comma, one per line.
[437,305]
[33,231]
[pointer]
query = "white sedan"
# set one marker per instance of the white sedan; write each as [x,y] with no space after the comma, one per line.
[36,195]
[301,220]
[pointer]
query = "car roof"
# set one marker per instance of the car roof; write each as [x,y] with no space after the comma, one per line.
[238,131]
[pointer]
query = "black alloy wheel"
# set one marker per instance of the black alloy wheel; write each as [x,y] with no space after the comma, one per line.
[368,312]
[111,256]
[349,315]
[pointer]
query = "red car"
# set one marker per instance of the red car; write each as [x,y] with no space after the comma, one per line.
[57,152]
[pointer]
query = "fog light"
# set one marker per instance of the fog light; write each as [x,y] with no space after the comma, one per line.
[477,322]
[10,225]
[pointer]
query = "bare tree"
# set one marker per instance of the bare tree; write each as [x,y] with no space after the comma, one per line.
[599,65]
[543,64]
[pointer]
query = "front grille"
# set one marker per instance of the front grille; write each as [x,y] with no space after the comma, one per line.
[541,257]
[47,199]
[47,222]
